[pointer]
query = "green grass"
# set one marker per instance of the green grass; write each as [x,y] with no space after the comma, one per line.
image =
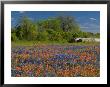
[35,43]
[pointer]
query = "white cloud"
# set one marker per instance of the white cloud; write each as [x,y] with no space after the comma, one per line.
[21,12]
[84,27]
[92,19]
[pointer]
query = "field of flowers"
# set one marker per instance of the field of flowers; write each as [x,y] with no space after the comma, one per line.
[55,61]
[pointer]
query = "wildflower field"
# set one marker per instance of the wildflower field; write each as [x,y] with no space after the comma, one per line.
[55,44]
[55,61]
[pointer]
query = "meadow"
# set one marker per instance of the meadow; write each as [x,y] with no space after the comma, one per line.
[48,48]
[56,61]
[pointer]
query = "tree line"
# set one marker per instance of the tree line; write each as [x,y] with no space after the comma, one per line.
[61,28]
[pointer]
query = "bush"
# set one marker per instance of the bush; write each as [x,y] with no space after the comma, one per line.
[14,37]
[42,36]
[67,36]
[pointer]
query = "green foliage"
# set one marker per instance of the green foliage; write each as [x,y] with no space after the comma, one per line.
[97,35]
[54,35]
[42,36]
[19,32]
[75,35]
[67,36]
[14,37]
[68,24]
[26,30]
[60,29]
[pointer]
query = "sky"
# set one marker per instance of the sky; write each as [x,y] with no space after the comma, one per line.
[89,21]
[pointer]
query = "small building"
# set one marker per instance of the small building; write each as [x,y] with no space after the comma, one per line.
[87,40]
